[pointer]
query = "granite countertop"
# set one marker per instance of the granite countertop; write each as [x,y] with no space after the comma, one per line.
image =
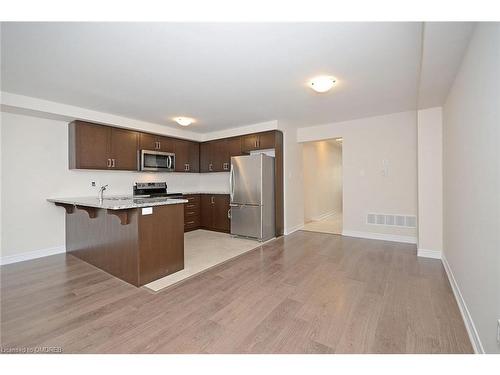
[117,202]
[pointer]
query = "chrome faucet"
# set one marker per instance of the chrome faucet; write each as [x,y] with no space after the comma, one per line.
[101,192]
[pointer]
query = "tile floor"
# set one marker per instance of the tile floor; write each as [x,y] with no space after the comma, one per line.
[202,250]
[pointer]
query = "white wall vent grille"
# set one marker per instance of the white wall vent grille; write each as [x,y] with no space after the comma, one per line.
[407,221]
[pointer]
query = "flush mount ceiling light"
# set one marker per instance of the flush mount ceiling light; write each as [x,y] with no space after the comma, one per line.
[184,121]
[322,84]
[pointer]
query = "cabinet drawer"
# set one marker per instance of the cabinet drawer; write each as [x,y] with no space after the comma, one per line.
[192,199]
[191,224]
[191,213]
[191,206]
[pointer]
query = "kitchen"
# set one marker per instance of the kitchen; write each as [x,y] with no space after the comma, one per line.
[154,191]
[251,205]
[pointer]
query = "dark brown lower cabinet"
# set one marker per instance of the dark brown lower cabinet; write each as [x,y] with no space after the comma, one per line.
[192,212]
[161,242]
[214,212]
[134,247]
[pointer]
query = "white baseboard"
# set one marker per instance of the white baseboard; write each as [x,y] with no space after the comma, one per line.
[380,236]
[466,316]
[293,229]
[424,253]
[8,259]
[323,216]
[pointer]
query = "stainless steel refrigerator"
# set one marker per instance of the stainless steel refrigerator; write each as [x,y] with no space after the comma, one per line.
[252,196]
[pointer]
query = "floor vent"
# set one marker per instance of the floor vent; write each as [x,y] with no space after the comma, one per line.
[407,221]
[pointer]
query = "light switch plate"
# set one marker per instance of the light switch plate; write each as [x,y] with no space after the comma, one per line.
[498,331]
[147,210]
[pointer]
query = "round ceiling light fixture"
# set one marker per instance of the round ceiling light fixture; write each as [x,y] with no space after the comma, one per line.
[184,121]
[322,84]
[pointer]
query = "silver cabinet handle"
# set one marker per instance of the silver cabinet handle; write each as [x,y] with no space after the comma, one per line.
[229,214]
[159,145]
[210,167]
[109,163]
[190,222]
[113,163]
[212,200]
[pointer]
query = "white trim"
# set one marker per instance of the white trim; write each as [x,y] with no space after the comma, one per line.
[8,259]
[424,253]
[293,229]
[466,316]
[380,236]
[323,216]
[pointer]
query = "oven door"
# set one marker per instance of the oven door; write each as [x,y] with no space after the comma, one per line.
[157,161]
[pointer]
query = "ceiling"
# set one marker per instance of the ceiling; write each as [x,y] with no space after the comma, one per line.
[224,75]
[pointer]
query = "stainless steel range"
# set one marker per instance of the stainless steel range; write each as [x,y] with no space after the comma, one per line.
[152,192]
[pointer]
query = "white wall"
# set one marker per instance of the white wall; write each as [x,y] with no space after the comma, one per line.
[430,182]
[292,178]
[366,144]
[471,164]
[322,166]
[34,158]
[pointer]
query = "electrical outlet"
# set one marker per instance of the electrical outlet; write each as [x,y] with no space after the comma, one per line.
[93,184]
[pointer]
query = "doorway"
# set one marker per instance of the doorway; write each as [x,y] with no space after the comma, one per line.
[323,193]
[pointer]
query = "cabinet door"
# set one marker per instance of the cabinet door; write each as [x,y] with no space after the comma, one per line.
[266,140]
[206,211]
[148,142]
[204,157]
[194,157]
[166,144]
[123,144]
[181,149]
[217,155]
[161,242]
[249,143]
[220,213]
[233,148]
[89,146]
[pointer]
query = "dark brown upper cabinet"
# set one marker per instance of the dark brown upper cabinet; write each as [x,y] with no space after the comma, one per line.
[215,156]
[187,156]
[205,157]
[156,143]
[194,157]
[258,141]
[93,146]
[232,148]
[211,156]
[123,149]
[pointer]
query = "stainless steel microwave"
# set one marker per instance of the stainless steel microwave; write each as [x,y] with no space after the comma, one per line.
[156,161]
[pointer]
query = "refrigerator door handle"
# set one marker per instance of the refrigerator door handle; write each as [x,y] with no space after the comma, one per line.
[231,183]
[234,205]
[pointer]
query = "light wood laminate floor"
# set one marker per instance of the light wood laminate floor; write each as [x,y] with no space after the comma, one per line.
[305,293]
